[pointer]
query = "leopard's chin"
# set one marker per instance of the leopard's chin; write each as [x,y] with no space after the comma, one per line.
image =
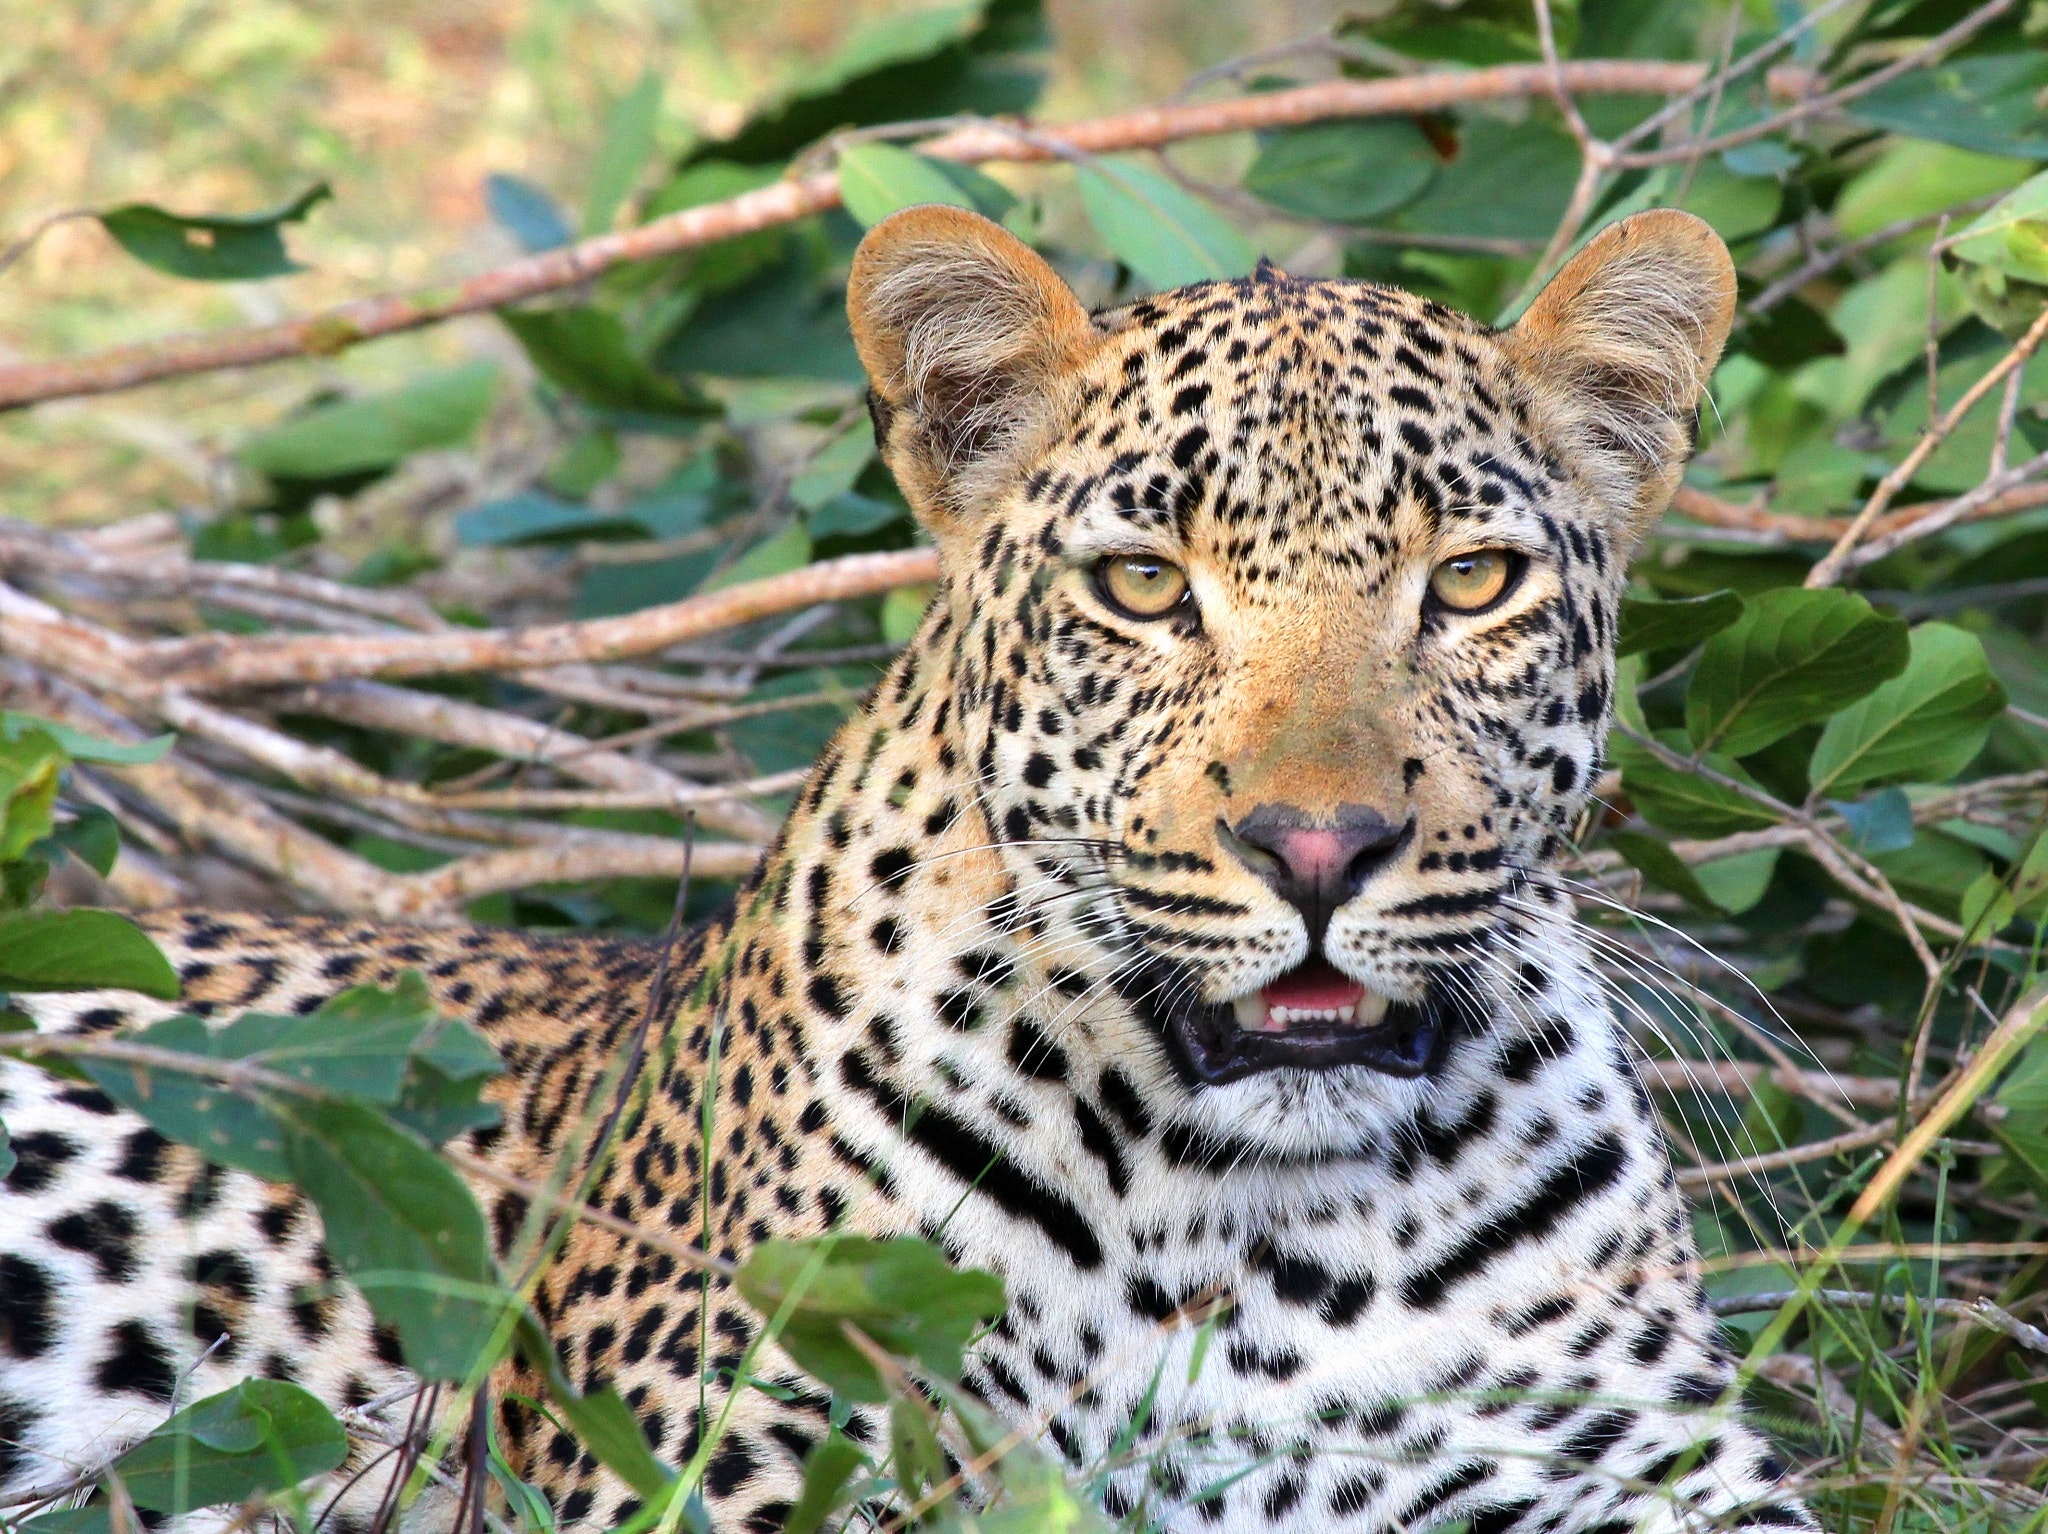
[1312,1018]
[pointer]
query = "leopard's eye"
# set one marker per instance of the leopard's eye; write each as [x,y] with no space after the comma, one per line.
[1139,586]
[1470,583]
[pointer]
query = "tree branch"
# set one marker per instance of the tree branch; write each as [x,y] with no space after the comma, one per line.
[335,330]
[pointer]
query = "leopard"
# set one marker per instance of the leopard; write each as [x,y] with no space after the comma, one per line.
[1177,931]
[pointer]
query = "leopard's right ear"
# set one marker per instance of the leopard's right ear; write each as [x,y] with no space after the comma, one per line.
[965,333]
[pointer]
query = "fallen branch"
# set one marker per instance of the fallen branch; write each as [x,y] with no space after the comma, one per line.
[1982,1312]
[334,330]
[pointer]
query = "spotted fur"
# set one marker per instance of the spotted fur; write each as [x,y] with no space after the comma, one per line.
[947,1001]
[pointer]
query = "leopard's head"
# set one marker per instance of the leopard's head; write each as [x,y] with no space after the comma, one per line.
[1278,614]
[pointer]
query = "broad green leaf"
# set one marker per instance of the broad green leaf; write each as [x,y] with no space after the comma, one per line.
[1988,102]
[1914,178]
[261,1435]
[851,514]
[384,1046]
[827,1468]
[534,218]
[1724,884]
[901,1292]
[31,762]
[832,470]
[81,950]
[533,516]
[437,410]
[211,247]
[1883,822]
[1346,172]
[1925,725]
[2011,237]
[1738,883]
[902,611]
[1987,906]
[7,1157]
[92,835]
[788,550]
[876,180]
[81,747]
[627,146]
[196,1110]
[1936,871]
[1793,656]
[403,1228]
[1735,206]
[1508,181]
[1652,857]
[1648,624]
[585,351]
[1685,802]
[964,57]
[1165,234]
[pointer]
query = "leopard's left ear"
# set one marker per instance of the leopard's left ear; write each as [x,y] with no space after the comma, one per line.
[1618,350]
[966,335]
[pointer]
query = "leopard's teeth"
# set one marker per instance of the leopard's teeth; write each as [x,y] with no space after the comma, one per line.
[1286,1016]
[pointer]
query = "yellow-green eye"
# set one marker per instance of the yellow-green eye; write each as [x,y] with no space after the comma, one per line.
[1141,587]
[1468,582]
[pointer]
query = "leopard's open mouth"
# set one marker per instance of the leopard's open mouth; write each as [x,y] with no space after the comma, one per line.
[1314,1018]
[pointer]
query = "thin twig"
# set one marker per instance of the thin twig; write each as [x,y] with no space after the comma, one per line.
[336,329]
[1982,1312]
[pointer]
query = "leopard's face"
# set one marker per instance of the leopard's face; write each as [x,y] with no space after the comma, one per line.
[1280,617]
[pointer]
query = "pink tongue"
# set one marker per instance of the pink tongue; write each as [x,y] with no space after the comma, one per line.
[1318,985]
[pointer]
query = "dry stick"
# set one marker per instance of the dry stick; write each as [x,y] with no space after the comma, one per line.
[1983,1312]
[1826,261]
[336,329]
[1947,514]
[1783,527]
[1794,1155]
[210,663]
[1811,105]
[1831,566]
[1737,1077]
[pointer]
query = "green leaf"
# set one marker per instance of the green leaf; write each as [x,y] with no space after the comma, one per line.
[831,471]
[964,57]
[81,747]
[1881,823]
[902,611]
[81,950]
[1649,624]
[901,1292]
[1686,802]
[788,550]
[1347,172]
[199,1111]
[211,247]
[31,762]
[1165,234]
[385,1046]
[1736,884]
[627,147]
[437,410]
[91,835]
[1925,725]
[532,516]
[1508,181]
[876,180]
[261,1435]
[1987,102]
[827,1468]
[2012,236]
[7,1156]
[534,218]
[1652,857]
[585,351]
[1793,656]
[403,1228]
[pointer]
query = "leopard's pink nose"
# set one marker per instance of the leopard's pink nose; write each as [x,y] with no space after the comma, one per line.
[1315,865]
